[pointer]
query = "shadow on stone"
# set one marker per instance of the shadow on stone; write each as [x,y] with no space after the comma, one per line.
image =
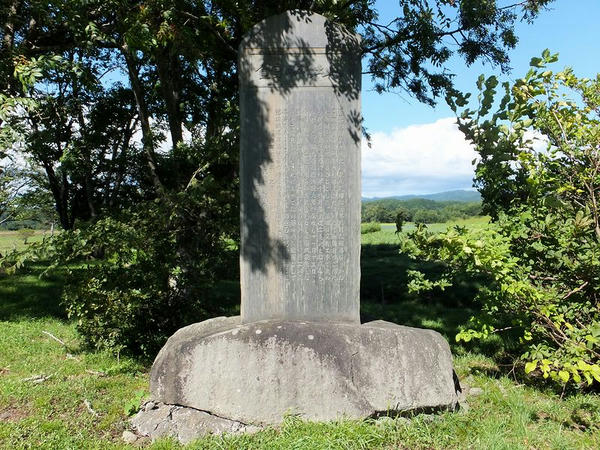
[300,78]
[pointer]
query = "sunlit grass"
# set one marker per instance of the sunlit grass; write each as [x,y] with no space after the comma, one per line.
[12,240]
[476,222]
[509,413]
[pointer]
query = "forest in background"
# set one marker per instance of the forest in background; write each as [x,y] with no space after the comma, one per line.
[419,210]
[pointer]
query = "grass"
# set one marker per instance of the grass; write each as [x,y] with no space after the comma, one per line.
[509,414]
[10,240]
[471,222]
[52,413]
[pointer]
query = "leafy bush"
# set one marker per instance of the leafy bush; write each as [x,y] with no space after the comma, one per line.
[539,176]
[130,285]
[371,227]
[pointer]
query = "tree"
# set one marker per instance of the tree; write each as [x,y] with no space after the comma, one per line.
[79,79]
[80,137]
[402,216]
[427,216]
[375,212]
[180,62]
[12,184]
[539,176]
[187,50]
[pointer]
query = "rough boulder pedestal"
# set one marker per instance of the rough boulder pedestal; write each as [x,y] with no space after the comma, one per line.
[256,373]
[298,347]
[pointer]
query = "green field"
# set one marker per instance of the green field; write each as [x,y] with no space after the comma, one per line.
[57,395]
[11,240]
[387,235]
[472,222]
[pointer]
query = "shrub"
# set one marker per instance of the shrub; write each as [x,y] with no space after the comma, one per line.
[370,227]
[539,260]
[130,286]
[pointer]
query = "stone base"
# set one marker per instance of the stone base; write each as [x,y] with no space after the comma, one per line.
[157,420]
[254,374]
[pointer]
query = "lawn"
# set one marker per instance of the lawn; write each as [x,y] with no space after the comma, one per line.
[11,240]
[54,394]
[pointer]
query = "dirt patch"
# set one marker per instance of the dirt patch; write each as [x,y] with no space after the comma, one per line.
[13,414]
[4,370]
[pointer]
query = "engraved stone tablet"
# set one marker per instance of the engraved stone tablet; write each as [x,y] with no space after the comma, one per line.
[300,170]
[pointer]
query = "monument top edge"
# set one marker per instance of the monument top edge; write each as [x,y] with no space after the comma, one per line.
[297,29]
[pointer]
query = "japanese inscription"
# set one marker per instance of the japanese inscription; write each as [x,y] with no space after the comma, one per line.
[300,175]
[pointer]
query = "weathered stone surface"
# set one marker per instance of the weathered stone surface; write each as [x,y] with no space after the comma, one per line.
[129,437]
[300,170]
[183,424]
[256,373]
[169,373]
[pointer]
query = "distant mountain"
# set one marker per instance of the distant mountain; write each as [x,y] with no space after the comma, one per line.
[460,195]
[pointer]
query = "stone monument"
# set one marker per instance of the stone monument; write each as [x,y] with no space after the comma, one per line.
[300,171]
[298,347]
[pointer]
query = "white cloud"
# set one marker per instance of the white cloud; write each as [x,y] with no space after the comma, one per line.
[418,159]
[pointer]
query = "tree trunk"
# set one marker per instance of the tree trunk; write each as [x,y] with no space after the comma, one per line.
[168,74]
[87,163]
[118,159]
[140,101]
[6,50]
[60,192]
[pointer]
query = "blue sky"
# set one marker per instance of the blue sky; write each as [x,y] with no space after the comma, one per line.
[416,149]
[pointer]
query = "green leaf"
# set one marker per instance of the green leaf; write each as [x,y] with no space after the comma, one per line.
[564,375]
[536,62]
[530,366]
[480,81]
